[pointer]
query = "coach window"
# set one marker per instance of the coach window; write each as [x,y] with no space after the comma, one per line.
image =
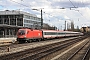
[52,33]
[59,33]
[49,33]
[62,33]
[46,33]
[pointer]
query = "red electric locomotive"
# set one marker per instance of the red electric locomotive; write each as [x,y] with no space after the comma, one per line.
[28,35]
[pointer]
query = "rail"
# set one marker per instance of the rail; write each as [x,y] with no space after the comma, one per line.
[86,54]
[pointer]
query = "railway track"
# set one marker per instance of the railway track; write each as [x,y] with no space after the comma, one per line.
[78,51]
[18,47]
[81,53]
[40,52]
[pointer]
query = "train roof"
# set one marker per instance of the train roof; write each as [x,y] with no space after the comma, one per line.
[71,32]
[49,30]
[52,30]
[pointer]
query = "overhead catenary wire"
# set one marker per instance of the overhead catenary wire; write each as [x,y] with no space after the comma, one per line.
[20,3]
[72,3]
[78,11]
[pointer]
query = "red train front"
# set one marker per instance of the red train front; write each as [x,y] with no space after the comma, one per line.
[28,35]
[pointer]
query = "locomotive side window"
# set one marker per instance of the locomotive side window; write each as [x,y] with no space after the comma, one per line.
[21,32]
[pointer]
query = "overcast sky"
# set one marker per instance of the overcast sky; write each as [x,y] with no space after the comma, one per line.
[77,11]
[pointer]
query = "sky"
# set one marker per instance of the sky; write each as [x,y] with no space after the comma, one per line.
[77,11]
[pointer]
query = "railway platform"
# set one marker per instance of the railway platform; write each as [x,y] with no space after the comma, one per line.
[4,41]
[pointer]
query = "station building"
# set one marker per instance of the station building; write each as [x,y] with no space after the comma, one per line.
[11,21]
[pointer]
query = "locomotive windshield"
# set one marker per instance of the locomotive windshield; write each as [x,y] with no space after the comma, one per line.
[21,32]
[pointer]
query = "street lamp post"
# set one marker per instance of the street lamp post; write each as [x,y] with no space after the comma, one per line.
[41,18]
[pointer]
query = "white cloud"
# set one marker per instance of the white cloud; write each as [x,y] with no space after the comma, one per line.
[66,17]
